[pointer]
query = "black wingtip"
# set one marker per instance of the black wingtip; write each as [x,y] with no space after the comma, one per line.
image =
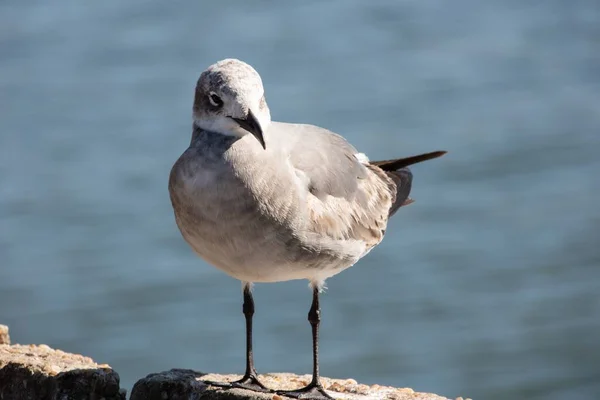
[393,165]
[407,202]
[425,157]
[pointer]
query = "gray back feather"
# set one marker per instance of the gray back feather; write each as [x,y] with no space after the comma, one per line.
[326,158]
[351,199]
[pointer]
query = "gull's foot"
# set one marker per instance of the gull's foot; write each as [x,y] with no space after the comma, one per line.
[251,382]
[310,392]
[224,385]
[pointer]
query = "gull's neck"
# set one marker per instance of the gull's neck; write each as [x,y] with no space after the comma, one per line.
[228,127]
[223,126]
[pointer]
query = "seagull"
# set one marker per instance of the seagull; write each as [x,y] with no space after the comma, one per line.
[267,201]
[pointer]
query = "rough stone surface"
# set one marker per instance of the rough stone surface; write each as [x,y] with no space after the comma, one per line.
[37,372]
[4,337]
[32,372]
[180,384]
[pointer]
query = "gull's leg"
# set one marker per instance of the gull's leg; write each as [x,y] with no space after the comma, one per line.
[250,379]
[314,390]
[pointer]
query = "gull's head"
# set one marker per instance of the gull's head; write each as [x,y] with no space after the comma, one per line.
[230,100]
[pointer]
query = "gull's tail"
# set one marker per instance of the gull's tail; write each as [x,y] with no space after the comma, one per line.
[398,172]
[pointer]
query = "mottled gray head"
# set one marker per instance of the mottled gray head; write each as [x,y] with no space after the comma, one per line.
[230,100]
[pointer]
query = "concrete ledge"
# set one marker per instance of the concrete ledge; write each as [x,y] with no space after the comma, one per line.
[40,373]
[179,384]
[37,372]
[4,336]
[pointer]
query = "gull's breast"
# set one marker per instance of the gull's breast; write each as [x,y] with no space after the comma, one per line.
[250,223]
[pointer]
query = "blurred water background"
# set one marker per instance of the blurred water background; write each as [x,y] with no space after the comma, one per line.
[487,287]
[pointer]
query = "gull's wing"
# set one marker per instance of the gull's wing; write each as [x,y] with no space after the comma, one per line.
[346,199]
[325,159]
[399,173]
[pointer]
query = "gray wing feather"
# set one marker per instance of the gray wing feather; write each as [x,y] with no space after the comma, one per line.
[351,200]
[326,158]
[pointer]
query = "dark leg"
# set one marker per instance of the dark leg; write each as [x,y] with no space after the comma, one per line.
[314,390]
[250,379]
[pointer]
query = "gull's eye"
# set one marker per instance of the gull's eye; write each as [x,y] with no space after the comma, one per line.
[215,100]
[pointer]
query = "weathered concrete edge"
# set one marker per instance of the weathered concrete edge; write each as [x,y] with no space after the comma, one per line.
[4,336]
[31,372]
[187,384]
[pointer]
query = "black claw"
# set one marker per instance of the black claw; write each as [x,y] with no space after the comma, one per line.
[224,385]
[310,392]
[251,382]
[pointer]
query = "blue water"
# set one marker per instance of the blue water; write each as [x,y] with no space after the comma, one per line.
[487,287]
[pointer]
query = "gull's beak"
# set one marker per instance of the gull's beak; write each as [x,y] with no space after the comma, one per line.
[251,124]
